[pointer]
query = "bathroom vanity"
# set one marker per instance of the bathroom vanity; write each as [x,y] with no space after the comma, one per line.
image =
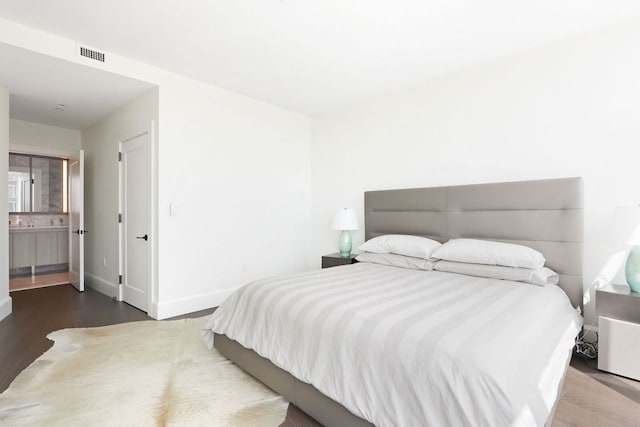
[38,246]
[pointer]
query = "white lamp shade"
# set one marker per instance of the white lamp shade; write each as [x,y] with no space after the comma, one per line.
[345,219]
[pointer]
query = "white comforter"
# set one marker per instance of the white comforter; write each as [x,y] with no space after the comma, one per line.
[402,347]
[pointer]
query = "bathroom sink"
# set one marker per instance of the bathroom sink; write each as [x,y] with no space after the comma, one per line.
[35,228]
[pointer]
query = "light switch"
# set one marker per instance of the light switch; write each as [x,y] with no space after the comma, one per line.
[172,209]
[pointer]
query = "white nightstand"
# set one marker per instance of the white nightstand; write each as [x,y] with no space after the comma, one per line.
[618,312]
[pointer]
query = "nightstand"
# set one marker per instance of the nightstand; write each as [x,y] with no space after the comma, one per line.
[618,312]
[335,259]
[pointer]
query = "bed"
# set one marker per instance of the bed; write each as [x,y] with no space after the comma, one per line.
[355,343]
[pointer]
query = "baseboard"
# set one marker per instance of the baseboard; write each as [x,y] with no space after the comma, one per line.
[101,285]
[5,307]
[177,307]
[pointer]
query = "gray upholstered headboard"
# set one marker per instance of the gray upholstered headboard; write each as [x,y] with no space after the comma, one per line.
[546,215]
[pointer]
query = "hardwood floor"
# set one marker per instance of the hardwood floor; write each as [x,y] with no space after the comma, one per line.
[589,397]
[38,281]
[595,398]
[37,312]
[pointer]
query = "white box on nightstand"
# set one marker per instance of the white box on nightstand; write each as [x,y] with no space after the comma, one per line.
[619,347]
[618,330]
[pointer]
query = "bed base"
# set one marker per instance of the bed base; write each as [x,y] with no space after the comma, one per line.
[326,411]
[305,396]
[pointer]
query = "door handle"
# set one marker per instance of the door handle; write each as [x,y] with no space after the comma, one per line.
[145,237]
[80,232]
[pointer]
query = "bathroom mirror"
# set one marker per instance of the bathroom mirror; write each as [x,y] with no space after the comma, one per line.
[19,183]
[37,184]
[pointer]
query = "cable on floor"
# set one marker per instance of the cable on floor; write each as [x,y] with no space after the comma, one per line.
[584,348]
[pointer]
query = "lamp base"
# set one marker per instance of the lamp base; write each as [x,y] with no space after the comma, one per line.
[632,268]
[344,244]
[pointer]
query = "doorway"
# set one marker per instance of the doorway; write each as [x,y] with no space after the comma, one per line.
[135,227]
[38,221]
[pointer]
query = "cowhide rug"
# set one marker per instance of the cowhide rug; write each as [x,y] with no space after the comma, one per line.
[137,374]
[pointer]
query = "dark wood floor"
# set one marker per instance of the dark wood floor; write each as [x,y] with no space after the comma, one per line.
[590,397]
[37,312]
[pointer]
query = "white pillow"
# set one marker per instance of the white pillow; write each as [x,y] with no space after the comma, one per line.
[414,246]
[396,260]
[488,252]
[541,276]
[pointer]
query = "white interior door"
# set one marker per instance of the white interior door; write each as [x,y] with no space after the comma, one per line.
[76,220]
[136,223]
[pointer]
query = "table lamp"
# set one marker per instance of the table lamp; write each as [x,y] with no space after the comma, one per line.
[345,220]
[630,218]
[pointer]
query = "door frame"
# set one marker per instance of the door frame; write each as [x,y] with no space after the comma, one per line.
[153,231]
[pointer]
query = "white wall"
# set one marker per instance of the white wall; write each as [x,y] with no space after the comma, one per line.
[37,138]
[238,174]
[5,299]
[101,143]
[568,109]
[236,169]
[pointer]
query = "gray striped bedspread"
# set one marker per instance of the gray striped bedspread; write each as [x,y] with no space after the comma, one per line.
[401,347]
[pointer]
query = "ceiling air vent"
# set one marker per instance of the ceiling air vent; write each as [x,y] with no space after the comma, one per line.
[92,54]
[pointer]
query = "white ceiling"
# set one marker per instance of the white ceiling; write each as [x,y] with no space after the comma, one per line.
[315,55]
[38,83]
